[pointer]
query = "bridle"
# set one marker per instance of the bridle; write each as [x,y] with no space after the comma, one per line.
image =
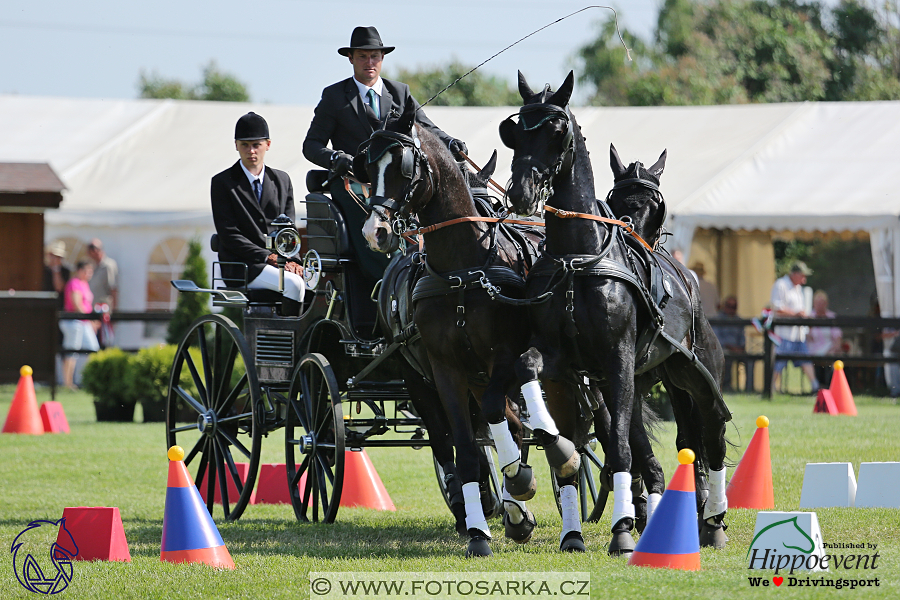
[531,117]
[413,161]
[645,183]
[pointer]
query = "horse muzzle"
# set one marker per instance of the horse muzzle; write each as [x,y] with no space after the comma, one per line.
[379,234]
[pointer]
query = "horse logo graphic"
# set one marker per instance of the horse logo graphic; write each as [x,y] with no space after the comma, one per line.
[787,533]
[30,544]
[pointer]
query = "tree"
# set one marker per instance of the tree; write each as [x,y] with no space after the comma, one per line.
[216,86]
[190,306]
[735,51]
[476,89]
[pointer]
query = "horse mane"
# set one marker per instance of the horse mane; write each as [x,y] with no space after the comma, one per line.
[582,169]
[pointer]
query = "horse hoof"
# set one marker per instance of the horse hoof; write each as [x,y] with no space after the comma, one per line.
[622,543]
[522,485]
[712,535]
[478,544]
[572,542]
[520,533]
[640,512]
[563,457]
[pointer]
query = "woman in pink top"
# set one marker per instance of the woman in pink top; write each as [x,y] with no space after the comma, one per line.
[77,335]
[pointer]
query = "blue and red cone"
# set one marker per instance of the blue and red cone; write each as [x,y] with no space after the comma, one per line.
[189,534]
[671,539]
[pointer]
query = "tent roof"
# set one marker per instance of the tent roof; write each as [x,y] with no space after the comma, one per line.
[765,166]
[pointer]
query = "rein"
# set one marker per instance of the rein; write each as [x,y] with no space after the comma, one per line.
[628,227]
[423,230]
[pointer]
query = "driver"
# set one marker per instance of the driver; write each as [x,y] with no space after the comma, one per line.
[347,115]
[245,198]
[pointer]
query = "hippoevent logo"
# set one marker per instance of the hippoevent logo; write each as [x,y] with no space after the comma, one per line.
[785,547]
[30,549]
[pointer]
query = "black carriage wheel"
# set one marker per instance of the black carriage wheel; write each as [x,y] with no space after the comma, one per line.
[592,495]
[314,441]
[210,412]
[493,476]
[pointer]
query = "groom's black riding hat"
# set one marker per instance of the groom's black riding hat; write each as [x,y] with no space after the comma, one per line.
[365,38]
[251,127]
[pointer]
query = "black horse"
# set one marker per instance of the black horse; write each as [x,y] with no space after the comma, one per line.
[467,306]
[620,313]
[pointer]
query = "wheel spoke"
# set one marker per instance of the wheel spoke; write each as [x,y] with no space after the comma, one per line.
[213,452]
[228,369]
[203,345]
[236,443]
[229,401]
[197,446]
[195,375]
[189,400]
[323,491]
[325,468]
[300,470]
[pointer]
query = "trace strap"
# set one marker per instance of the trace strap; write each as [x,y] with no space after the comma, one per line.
[628,227]
[423,230]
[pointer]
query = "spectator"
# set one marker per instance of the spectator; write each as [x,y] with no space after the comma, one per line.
[823,340]
[104,286]
[709,294]
[788,300]
[56,274]
[78,335]
[105,282]
[733,340]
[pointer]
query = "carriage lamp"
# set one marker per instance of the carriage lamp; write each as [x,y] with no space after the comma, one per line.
[283,241]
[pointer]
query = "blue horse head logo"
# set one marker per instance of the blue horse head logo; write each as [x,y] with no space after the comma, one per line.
[31,544]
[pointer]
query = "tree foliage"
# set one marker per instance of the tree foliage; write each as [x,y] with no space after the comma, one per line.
[477,89]
[737,51]
[216,86]
[190,306]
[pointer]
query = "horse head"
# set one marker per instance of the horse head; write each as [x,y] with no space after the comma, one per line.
[397,160]
[542,141]
[636,194]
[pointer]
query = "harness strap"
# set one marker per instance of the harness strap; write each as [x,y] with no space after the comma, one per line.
[423,230]
[628,227]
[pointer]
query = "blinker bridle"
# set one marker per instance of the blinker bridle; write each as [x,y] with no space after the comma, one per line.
[532,117]
[646,183]
[411,156]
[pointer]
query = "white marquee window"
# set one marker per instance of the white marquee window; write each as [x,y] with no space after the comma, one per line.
[166,263]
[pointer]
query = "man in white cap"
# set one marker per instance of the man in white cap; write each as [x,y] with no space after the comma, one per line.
[246,197]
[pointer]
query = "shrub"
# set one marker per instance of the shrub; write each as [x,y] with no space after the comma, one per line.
[190,306]
[107,376]
[152,369]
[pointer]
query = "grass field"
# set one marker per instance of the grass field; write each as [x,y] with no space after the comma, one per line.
[125,465]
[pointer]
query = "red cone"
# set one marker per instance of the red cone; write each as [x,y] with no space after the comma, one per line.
[23,416]
[751,485]
[98,532]
[840,389]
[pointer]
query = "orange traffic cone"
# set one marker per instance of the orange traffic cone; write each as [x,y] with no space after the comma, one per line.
[23,416]
[751,485]
[840,389]
[362,485]
[189,534]
[671,539]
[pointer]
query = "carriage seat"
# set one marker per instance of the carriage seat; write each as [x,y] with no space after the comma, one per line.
[254,296]
[326,228]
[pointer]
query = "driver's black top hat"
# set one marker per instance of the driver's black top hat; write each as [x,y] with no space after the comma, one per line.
[365,38]
[251,127]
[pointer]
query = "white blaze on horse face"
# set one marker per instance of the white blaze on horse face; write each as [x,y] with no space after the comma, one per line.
[382,164]
[371,227]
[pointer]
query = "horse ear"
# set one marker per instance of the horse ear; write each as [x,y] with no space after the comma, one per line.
[488,169]
[615,163]
[657,169]
[524,89]
[564,93]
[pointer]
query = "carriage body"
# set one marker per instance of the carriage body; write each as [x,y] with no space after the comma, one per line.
[232,386]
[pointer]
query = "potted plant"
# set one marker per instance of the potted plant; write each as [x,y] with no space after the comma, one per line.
[107,376]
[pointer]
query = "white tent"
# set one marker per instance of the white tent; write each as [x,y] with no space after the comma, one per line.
[137,174]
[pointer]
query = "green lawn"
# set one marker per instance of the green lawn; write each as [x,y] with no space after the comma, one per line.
[124,465]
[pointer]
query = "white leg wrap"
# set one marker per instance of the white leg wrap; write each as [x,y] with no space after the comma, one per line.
[652,502]
[514,508]
[717,502]
[537,409]
[568,500]
[507,451]
[622,499]
[474,513]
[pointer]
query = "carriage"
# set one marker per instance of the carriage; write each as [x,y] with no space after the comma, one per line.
[327,377]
